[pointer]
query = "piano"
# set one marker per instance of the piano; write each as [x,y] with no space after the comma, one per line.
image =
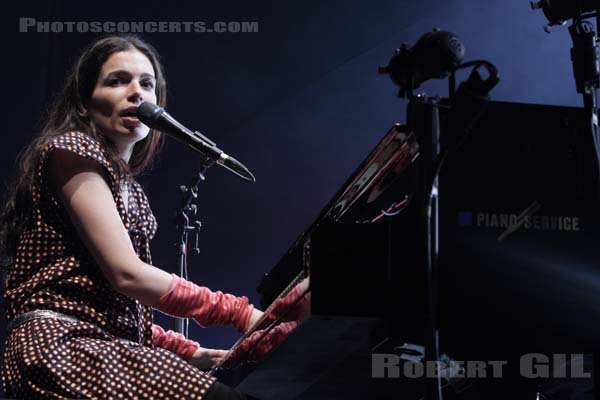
[518,268]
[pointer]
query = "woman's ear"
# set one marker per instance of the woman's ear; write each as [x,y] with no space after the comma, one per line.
[82,111]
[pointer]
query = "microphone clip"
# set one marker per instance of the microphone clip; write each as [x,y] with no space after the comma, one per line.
[204,138]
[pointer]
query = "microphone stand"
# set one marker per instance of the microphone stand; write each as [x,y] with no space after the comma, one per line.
[429,144]
[465,107]
[586,68]
[184,228]
[433,386]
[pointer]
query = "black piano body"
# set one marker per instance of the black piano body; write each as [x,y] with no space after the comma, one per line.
[518,262]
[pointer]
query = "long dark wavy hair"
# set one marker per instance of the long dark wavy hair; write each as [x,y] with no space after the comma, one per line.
[68,113]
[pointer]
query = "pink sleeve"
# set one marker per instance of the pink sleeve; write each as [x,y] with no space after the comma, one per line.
[174,342]
[186,299]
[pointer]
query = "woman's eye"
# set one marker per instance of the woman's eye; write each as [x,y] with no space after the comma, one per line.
[114,81]
[148,84]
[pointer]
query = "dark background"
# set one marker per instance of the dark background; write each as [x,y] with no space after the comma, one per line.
[300,103]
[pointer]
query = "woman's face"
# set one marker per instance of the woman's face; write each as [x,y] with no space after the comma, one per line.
[126,80]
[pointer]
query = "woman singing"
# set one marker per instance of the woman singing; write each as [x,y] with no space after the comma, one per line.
[77,227]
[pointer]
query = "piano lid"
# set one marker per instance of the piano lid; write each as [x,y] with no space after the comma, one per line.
[380,187]
[379,172]
[376,186]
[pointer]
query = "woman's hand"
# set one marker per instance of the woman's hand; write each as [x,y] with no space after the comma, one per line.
[254,317]
[259,344]
[207,358]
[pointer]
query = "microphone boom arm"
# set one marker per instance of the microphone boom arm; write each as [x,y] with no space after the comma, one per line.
[157,118]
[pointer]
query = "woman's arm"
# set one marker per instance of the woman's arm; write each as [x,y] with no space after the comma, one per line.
[83,190]
[174,342]
[87,198]
[189,350]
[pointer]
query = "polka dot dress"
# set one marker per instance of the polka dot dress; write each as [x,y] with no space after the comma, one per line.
[109,353]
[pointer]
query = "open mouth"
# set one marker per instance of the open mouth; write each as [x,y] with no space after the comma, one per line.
[130,121]
[130,117]
[130,114]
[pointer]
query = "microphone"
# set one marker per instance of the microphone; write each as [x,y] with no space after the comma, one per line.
[157,118]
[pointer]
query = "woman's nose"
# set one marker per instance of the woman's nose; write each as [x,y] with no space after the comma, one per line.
[135,93]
